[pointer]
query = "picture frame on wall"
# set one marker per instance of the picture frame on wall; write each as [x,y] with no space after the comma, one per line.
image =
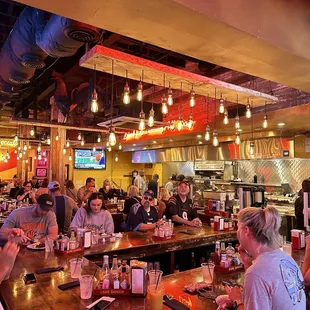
[41,163]
[41,172]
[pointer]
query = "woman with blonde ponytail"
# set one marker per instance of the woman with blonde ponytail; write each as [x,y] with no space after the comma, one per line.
[272,279]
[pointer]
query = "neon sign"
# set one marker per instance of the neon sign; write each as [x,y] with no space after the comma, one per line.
[9,143]
[173,126]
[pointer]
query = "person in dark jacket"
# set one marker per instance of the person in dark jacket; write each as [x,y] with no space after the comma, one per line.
[153,185]
[299,205]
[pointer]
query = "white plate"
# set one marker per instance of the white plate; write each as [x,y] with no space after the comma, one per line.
[31,247]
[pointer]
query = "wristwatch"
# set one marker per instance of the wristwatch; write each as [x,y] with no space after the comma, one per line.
[236,304]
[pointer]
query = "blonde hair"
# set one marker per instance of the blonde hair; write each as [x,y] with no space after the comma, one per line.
[264,224]
[106,181]
[132,191]
[163,193]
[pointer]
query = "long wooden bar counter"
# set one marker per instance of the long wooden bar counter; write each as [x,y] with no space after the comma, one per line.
[44,294]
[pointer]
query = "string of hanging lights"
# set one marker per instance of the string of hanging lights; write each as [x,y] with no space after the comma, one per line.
[150,121]
[221,105]
[207,134]
[112,136]
[126,97]
[225,120]
[265,122]
[215,141]
[170,96]
[192,101]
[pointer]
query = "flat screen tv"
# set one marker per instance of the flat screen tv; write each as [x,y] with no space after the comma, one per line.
[88,159]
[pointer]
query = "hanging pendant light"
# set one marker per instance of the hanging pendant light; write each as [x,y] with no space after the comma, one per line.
[32,131]
[48,140]
[179,124]
[8,155]
[15,151]
[39,156]
[26,161]
[170,96]
[265,122]
[207,134]
[94,98]
[112,137]
[57,136]
[39,147]
[20,155]
[82,142]
[221,106]
[126,97]
[248,112]
[70,157]
[226,120]
[120,147]
[190,124]
[64,151]
[45,159]
[16,138]
[237,122]
[252,148]
[140,91]
[215,141]
[99,138]
[116,157]
[25,147]
[164,108]
[29,146]
[237,140]
[192,101]
[68,143]
[109,149]
[94,148]
[151,118]
[79,137]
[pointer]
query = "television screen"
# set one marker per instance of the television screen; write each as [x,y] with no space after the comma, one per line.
[88,159]
[144,156]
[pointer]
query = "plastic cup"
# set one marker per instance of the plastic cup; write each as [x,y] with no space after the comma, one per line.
[154,276]
[156,296]
[287,247]
[208,272]
[86,286]
[76,267]
[49,245]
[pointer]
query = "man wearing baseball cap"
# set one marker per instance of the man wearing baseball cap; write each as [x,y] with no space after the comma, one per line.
[180,208]
[63,207]
[143,216]
[38,222]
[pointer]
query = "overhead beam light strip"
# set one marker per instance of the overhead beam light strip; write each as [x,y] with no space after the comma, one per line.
[153,71]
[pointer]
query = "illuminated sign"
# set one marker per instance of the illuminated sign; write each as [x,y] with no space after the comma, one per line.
[8,143]
[173,126]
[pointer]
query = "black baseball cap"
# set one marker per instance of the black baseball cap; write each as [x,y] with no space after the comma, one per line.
[45,201]
[149,193]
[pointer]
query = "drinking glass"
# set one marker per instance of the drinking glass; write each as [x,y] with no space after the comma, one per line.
[154,276]
[49,245]
[156,296]
[76,267]
[208,272]
[86,286]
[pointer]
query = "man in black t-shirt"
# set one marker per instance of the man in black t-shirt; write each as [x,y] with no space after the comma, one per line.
[143,216]
[180,208]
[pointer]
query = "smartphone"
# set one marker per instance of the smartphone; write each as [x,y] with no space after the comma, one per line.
[29,278]
[102,304]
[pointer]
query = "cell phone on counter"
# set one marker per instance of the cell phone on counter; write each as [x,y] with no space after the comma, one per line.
[29,278]
[101,305]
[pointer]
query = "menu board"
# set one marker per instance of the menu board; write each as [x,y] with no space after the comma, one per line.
[209,165]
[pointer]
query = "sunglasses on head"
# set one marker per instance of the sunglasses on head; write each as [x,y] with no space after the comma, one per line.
[148,198]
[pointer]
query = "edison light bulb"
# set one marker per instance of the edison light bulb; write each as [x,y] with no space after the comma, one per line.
[226,120]
[180,125]
[109,149]
[45,159]
[140,91]
[70,157]
[112,137]
[79,137]
[99,139]
[26,161]
[215,141]
[170,98]
[116,158]
[64,151]
[190,124]
[142,124]
[48,140]
[32,132]
[120,147]
[265,123]
[151,118]
[25,147]
[94,102]
[16,138]
[251,148]
[164,108]
[192,100]
[126,98]
[68,143]
[15,151]
[207,135]
[248,112]
[39,156]
[94,149]
[237,123]
[29,147]
[35,157]
[238,140]
[20,155]
[57,137]
[82,142]
[7,155]
[221,106]
[39,147]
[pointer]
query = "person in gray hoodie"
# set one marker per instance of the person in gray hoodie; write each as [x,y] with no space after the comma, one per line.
[94,216]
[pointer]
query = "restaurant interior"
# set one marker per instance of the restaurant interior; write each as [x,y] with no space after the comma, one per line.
[216,91]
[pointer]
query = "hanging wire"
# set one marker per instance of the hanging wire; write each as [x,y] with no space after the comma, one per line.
[214,108]
[181,109]
[112,91]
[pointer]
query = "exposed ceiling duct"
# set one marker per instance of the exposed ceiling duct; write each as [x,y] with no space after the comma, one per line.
[32,40]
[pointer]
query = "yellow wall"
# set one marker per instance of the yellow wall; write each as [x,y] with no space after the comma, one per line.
[8,174]
[115,171]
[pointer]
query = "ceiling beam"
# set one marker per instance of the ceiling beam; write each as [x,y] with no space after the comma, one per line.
[267,39]
[154,72]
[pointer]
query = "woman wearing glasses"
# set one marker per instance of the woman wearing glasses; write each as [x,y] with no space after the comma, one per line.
[94,216]
[143,216]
